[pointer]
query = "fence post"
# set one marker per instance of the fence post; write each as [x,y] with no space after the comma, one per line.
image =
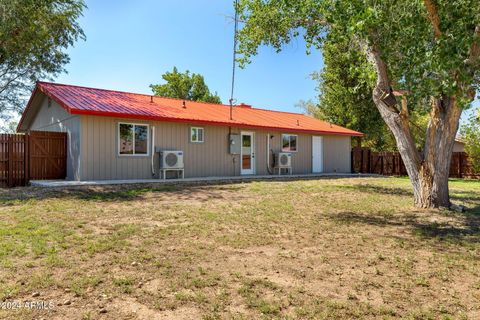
[460,165]
[382,164]
[369,160]
[26,154]
[361,161]
[10,160]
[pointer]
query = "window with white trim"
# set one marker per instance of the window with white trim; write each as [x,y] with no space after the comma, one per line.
[289,142]
[133,139]
[196,134]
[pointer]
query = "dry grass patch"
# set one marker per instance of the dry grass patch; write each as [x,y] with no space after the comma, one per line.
[311,249]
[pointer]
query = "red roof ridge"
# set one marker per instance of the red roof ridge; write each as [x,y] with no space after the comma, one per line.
[129,92]
[177,99]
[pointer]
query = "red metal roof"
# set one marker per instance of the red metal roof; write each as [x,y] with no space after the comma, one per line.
[109,103]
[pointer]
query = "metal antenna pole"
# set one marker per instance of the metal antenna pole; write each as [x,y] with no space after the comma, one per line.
[235,39]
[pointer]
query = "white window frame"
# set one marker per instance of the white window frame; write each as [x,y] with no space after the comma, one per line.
[133,141]
[203,134]
[289,142]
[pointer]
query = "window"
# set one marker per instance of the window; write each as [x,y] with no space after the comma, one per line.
[196,134]
[133,139]
[289,142]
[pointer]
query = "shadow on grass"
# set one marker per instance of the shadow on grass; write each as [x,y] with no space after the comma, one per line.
[116,193]
[188,190]
[455,195]
[370,188]
[466,228]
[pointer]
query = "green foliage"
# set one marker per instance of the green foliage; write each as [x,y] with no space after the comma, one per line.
[418,61]
[9,127]
[345,87]
[345,94]
[189,86]
[470,133]
[33,35]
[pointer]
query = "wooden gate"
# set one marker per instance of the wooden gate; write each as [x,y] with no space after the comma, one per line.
[48,155]
[36,155]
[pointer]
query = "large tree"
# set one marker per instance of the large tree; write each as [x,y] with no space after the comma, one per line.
[186,85]
[33,36]
[429,48]
[345,97]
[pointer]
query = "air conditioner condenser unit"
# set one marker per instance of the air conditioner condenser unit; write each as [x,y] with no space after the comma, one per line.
[171,159]
[283,160]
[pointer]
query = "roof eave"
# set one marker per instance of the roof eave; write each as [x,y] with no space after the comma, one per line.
[206,122]
[38,88]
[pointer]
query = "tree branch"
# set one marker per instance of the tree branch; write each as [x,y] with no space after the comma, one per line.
[433,17]
[397,121]
[474,52]
[10,81]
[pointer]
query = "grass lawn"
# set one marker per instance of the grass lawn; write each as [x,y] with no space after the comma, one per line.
[311,249]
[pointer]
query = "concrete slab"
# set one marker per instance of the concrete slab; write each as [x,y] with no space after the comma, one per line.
[68,183]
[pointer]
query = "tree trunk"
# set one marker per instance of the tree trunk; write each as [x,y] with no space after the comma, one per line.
[437,155]
[428,170]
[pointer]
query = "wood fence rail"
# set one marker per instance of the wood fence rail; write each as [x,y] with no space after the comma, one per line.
[390,163]
[35,155]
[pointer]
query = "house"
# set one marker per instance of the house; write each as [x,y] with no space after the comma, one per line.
[117,135]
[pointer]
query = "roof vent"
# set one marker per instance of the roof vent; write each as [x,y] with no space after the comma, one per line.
[243,105]
[184,104]
[151,99]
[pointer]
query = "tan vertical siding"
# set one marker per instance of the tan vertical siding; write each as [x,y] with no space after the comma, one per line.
[337,154]
[301,160]
[210,158]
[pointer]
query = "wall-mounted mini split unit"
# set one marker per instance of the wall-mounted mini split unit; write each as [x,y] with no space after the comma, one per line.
[284,160]
[171,159]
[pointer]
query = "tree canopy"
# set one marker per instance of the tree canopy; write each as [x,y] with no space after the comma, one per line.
[33,37]
[430,49]
[345,98]
[186,85]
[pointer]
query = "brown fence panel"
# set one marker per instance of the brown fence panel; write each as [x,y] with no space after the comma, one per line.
[391,163]
[17,160]
[456,165]
[376,164]
[360,160]
[12,160]
[4,149]
[36,155]
[467,168]
[48,155]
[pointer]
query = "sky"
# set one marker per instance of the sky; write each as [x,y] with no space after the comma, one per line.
[130,44]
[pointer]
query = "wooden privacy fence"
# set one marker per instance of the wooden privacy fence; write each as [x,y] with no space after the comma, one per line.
[390,163]
[36,155]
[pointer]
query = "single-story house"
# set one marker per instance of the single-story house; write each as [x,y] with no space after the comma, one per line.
[119,135]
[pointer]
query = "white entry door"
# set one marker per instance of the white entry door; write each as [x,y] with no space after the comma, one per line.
[317,154]
[247,154]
